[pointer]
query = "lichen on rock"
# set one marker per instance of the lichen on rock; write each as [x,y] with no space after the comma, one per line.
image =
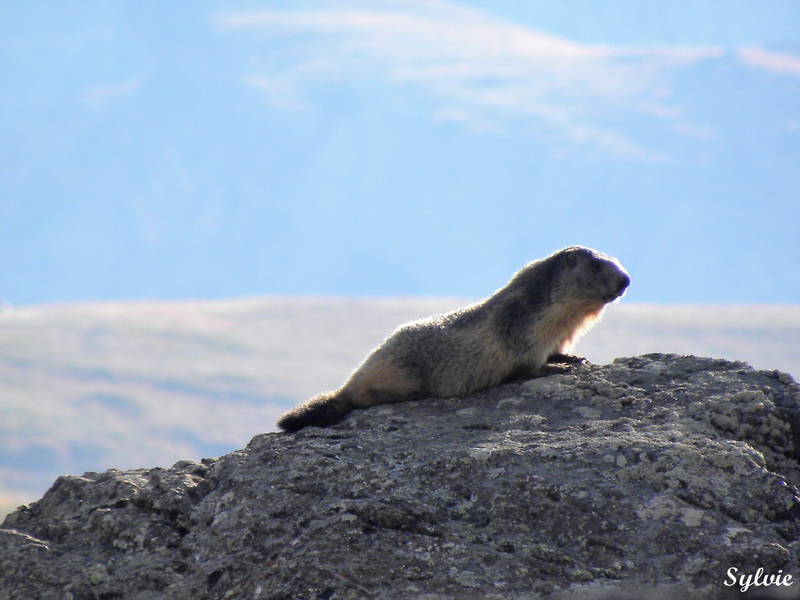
[660,472]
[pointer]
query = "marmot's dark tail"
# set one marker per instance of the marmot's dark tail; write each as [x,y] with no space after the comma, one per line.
[324,409]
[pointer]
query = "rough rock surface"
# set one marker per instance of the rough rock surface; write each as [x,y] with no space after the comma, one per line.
[659,471]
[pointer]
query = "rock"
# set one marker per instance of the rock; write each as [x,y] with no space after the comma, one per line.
[650,477]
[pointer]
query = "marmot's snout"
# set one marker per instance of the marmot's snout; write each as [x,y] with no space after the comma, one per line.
[622,285]
[624,282]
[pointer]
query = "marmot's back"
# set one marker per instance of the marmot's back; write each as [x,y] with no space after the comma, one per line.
[511,334]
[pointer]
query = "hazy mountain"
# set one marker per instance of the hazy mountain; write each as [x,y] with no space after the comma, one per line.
[91,387]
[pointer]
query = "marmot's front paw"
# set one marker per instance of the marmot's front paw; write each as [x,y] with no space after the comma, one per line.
[554,369]
[570,359]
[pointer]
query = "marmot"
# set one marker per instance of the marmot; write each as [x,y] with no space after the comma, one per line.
[511,335]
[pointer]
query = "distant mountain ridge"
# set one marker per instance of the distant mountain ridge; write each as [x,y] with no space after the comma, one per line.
[95,386]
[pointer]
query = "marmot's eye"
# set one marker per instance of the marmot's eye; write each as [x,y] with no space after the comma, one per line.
[595,266]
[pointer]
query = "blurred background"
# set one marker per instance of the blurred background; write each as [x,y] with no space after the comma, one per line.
[210,210]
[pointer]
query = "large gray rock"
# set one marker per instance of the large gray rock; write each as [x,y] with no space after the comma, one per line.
[660,472]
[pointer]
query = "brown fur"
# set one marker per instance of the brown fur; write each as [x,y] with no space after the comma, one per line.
[512,334]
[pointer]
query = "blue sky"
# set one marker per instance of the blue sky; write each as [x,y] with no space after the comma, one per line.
[408,147]
[730,23]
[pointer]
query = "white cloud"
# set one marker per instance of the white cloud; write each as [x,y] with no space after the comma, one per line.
[280,92]
[699,132]
[99,95]
[490,74]
[774,62]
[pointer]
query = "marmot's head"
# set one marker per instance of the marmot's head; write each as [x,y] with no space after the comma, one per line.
[590,275]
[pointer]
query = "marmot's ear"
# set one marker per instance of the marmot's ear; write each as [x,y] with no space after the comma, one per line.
[571,258]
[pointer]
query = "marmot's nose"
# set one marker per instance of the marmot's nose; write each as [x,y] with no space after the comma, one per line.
[624,282]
